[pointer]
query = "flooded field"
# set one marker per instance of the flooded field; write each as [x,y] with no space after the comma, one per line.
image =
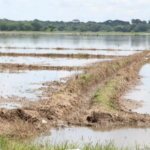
[97,52]
[142,91]
[127,42]
[88,96]
[21,84]
[49,61]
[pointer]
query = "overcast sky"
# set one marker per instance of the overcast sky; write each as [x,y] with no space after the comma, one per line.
[67,10]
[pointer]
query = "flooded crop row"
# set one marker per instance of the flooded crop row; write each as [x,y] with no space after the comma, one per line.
[98,52]
[48,61]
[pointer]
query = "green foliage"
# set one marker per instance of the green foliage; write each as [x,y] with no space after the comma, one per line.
[7,144]
[75,25]
[86,77]
[104,96]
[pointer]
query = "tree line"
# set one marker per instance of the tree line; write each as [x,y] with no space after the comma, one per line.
[136,25]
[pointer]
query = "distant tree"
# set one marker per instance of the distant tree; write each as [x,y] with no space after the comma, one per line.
[138,21]
[140,28]
[76,21]
[4,27]
[82,28]
[75,25]
[36,26]
[116,22]
[119,28]
[61,28]
[51,27]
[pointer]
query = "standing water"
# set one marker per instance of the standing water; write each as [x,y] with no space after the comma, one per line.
[126,42]
[142,92]
[83,135]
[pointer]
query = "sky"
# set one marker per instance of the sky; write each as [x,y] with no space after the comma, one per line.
[67,10]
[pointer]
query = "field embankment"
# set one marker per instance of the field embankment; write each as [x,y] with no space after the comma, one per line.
[81,102]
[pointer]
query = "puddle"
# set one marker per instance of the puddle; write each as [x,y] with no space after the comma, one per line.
[10,105]
[97,52]
[82,135]
[142,92]
[49,61]
[20,84]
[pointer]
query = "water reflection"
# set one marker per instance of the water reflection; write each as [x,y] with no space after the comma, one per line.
[20,84]
[97,52]
[130,42]
[82,135]
[49,61]
[142,92]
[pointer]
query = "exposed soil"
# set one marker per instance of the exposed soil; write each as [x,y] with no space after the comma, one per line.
[4,66]
[59,55]
[71,102]
[61,48]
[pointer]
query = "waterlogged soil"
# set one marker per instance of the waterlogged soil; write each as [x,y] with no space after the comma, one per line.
[97,52]
[141,92]
[19,85]
[68,102]
[48,61]
[121,136]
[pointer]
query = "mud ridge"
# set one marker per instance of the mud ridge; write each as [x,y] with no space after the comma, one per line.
[4,66]
[68,102]
[59,55]
[63,48]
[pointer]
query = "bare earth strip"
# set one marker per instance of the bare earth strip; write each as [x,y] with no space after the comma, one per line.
[59,55]
[62,48]
[4,66]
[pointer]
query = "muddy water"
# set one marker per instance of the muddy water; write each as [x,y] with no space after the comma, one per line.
[49,61]
[129,42]
[121,137]
[20,84]
[97,52]
[142,92]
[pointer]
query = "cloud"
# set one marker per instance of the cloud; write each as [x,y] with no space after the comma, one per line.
[67,10]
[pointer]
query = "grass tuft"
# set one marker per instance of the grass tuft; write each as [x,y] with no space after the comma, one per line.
[7,144]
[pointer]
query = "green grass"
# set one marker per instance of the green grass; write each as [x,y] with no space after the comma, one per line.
[7,144]
[107,93]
